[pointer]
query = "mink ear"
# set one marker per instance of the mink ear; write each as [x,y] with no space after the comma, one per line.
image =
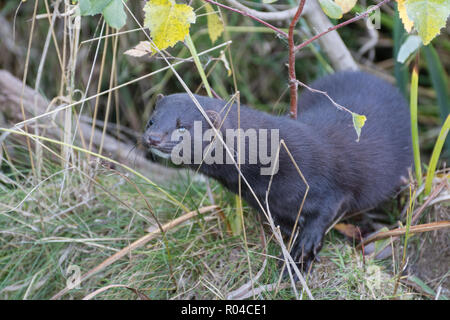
[214,117]
[159,97]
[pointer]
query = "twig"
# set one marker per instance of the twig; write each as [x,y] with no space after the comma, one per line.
[292,78]
[269,16]
[332,44]
[337,105]
[292,48]
[433,195]
[358,17]
[246,14]
[400,231]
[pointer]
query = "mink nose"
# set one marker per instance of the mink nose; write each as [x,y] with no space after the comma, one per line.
[152,139]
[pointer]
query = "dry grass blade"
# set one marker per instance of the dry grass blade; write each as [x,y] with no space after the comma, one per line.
[287,257]
[400,231]
[96,292]
[247,290]
[139,243]
[427,203]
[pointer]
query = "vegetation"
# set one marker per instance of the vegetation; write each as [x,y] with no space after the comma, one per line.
[79,200]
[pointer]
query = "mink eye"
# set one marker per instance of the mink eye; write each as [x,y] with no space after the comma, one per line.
[149,123]
[180,127]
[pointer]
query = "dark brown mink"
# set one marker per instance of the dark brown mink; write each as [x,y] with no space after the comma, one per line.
[344,175]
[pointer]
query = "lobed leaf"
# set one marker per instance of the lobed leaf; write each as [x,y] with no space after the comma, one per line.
[112,11]
[429,16]
[114,14]
[407,22]
[168,22]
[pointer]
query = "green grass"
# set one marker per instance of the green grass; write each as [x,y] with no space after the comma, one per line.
[44,236]
[85,223]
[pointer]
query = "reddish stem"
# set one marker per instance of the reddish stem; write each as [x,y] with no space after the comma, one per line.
[292,78]
[268,25]
[361,16]
[293,84]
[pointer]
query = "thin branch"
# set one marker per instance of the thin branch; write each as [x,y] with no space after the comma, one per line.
[333,45]
[358,17]
[292,78]
[247,14]
[269,16]
[337,105]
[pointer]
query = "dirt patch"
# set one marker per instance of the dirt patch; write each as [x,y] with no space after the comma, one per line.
[429,257]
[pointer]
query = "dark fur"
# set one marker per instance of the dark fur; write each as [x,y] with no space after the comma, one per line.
[343,175]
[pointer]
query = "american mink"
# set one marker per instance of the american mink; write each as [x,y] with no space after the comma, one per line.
[343,175]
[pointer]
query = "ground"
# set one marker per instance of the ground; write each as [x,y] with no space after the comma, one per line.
[44,239]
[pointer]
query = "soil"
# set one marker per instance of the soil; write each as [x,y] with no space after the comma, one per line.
[429,256]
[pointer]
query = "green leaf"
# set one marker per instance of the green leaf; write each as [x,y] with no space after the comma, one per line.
[112,11]
[114,14]
[429,16]
[413,95]
[435,155]
[85,7]
[425,287]
[358,122]
[440,84]
[438,79]
[411,44]
[401,71]
[331,9]
[92,7]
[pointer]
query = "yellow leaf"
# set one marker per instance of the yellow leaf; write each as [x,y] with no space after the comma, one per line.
[346,5]
[429,17]
[168,22]
[358,122]
[407,22]
[215,25]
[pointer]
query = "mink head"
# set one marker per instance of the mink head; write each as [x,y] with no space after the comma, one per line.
[176,119]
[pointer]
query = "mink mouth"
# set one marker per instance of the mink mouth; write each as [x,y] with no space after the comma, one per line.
[160,153]
[164,151]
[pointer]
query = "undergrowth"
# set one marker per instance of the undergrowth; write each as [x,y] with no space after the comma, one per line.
[47,233]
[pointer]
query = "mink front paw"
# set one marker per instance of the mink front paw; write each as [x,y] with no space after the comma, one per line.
[304,252]
[305,249]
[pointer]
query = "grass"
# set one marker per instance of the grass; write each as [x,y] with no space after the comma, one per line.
[73,218]
[44,236]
